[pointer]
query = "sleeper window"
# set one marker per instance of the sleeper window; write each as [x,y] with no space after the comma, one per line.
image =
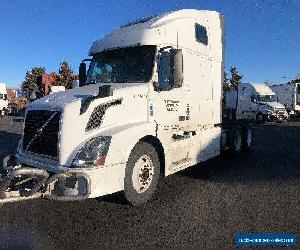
[201,34]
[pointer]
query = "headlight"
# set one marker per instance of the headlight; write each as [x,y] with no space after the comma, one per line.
[93,153]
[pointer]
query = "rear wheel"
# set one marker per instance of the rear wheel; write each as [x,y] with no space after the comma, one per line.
[142,173]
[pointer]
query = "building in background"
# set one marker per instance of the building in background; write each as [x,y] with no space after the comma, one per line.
[16,101]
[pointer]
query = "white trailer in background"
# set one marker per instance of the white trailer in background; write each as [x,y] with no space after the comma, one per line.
[289,95]
[3,99]
[55,89]
[149,104]
[254,101]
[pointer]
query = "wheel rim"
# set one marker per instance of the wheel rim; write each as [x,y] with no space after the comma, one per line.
[238,142]
[249,137]
[142,175]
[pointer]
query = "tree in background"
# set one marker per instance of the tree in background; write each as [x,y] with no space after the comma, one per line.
[226,86]
[65,77]
[297,79]
[235,78]
[31,86]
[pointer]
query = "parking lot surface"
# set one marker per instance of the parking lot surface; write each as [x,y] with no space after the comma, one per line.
[203,206]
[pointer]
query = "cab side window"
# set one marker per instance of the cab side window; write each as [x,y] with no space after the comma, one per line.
[201,34]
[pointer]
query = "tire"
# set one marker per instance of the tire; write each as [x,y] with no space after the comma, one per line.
[260,118]
[141,174]
[247,138]
[236,141]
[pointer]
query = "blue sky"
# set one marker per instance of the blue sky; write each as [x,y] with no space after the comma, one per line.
[262,37]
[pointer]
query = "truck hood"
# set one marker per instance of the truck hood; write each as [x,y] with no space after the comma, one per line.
[61,99]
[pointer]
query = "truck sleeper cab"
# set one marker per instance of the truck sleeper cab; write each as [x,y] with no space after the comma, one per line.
[149,105]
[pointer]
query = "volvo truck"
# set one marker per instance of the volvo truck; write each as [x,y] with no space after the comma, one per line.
[149,105]
[289,95]
[254,102]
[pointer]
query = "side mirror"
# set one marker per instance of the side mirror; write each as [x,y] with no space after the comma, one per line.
[82,74]
[176,78]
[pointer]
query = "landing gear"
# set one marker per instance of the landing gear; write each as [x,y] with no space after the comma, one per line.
[247,138]
[237,139]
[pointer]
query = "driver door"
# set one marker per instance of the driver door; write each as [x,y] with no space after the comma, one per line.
[171,112]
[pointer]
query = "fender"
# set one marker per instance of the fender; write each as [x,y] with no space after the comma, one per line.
[125,138]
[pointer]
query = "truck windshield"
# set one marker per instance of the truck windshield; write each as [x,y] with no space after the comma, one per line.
[134,64]
[267,98]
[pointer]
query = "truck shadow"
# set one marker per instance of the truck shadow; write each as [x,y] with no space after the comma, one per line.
[116,198]
[274,157]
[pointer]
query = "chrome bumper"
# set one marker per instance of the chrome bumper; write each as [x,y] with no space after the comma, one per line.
[18,182]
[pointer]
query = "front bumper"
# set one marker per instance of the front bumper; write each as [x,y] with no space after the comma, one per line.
[65,183]
[28,182]
[68,186]
[279,116]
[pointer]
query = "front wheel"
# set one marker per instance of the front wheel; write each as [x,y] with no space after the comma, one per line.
[141,174]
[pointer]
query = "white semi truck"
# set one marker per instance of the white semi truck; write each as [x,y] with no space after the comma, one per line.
[289,95]
[150,105]
[3,100]
[254,101]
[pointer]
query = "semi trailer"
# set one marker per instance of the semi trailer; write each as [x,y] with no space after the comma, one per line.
[149,105]
[254,102]
[289,95]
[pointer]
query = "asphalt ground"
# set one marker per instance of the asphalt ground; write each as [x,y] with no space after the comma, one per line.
[204,206]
